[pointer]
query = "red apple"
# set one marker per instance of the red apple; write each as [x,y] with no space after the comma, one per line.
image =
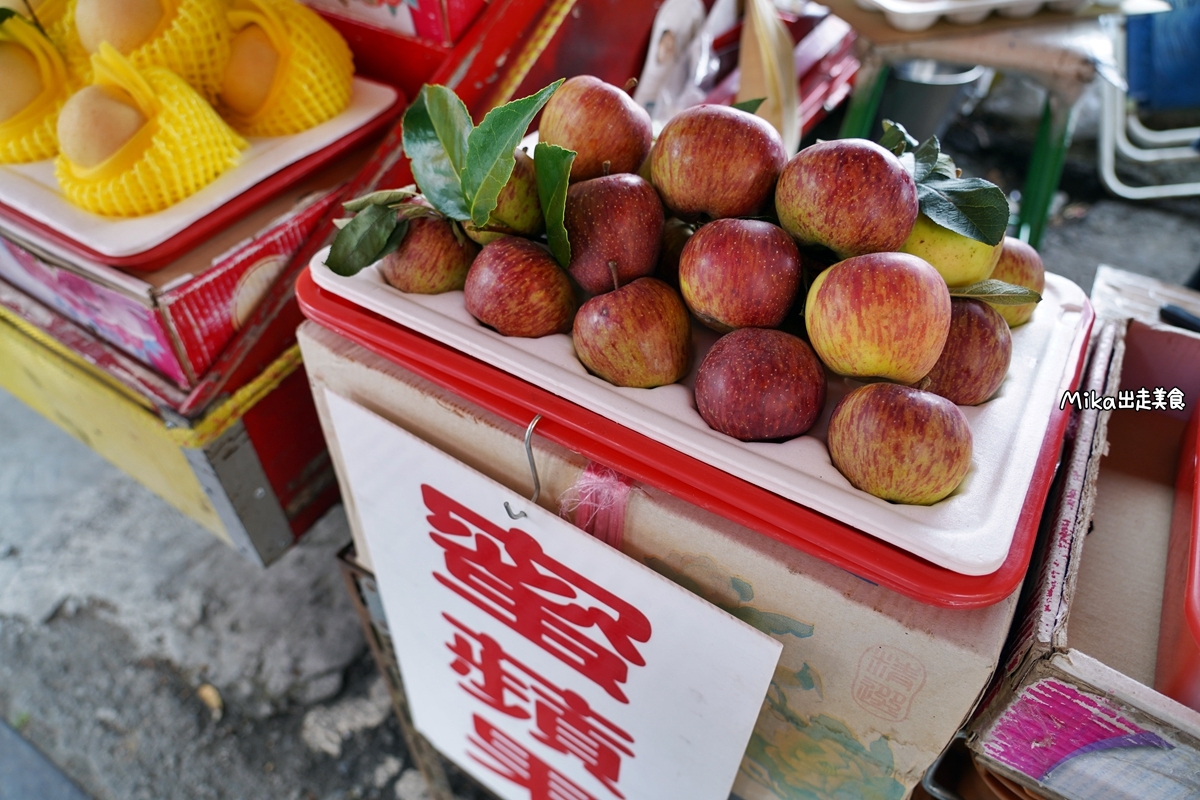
[1021,265]
[676,233]
[613,223]
[431,259]
[638,335]
[516,287]
[900,443]
[757,384]
[716,161]
[739,273]
[881,315]
[976,356]
[849,195]
[518,211]
[607,130]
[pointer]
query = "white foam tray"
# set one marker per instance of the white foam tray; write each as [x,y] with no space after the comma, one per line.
[33,190]
[917,15]
[969,532]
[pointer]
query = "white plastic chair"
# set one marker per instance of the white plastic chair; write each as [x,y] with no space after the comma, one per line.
[1122,133]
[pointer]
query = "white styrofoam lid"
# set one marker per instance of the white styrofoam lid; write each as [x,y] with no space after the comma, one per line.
[969,532]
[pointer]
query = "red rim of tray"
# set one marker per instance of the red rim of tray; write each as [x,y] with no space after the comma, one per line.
[656,464]
[201,230]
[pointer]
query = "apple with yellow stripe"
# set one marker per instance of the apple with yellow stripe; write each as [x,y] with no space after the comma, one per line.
[880,315]
[900,444]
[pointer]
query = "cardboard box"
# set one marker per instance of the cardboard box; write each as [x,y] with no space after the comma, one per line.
[1074,714]
[253,470]
[871,686]
[179,318]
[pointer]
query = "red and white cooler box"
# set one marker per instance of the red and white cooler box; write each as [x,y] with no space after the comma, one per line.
[541,645]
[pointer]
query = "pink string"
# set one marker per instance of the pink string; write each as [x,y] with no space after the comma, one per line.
[598,499]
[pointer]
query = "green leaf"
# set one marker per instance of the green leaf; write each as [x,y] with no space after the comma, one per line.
[435,133]
[416,210]
[359,244]
[750,106]
[490,149]
[394,239]
[925,159]
[896,138]
[972,207]
[5,13]
[998,293]
[384,197]
[945,167]
[552,165]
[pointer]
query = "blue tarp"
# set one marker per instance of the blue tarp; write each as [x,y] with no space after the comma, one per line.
[1163,57]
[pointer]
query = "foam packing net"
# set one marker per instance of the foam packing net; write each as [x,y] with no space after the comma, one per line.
[315,73]
[31,134]
[52,14]
[192,40]
[183,146]
[66,38]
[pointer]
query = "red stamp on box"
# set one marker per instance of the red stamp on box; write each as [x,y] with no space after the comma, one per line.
[887,681]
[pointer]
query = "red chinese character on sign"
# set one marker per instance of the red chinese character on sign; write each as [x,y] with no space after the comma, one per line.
[511,761]
[566,724]
[564,720]
[495,684]
[507,574]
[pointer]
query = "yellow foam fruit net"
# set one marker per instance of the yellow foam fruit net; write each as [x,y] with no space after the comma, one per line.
[192,40]
[53,16]
[183,146]
[31,134]
[66,38]
[315,72]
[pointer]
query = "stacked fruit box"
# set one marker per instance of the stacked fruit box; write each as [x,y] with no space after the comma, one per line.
[201,290]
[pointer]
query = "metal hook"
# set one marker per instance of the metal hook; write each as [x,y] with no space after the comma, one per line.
[537,484]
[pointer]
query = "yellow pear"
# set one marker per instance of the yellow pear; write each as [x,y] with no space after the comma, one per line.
[250,72]
[125,24]
[21,79]
[960,259]
[94,123]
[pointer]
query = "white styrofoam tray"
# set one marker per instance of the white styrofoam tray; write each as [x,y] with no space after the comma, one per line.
[917,15]
[969,532]
[33,190]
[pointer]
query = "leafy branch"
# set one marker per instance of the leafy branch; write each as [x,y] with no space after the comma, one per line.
[460,169]
[972,207]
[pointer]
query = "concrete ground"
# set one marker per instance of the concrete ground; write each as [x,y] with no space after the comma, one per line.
[115,610]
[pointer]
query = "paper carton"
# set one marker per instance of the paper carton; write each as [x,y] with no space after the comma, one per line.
[871,685]
[1074,714]
[177,319]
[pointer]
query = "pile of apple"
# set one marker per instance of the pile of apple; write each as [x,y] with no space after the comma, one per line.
[898,267]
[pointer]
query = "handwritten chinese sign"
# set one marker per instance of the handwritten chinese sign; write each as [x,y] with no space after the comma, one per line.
[545,663]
